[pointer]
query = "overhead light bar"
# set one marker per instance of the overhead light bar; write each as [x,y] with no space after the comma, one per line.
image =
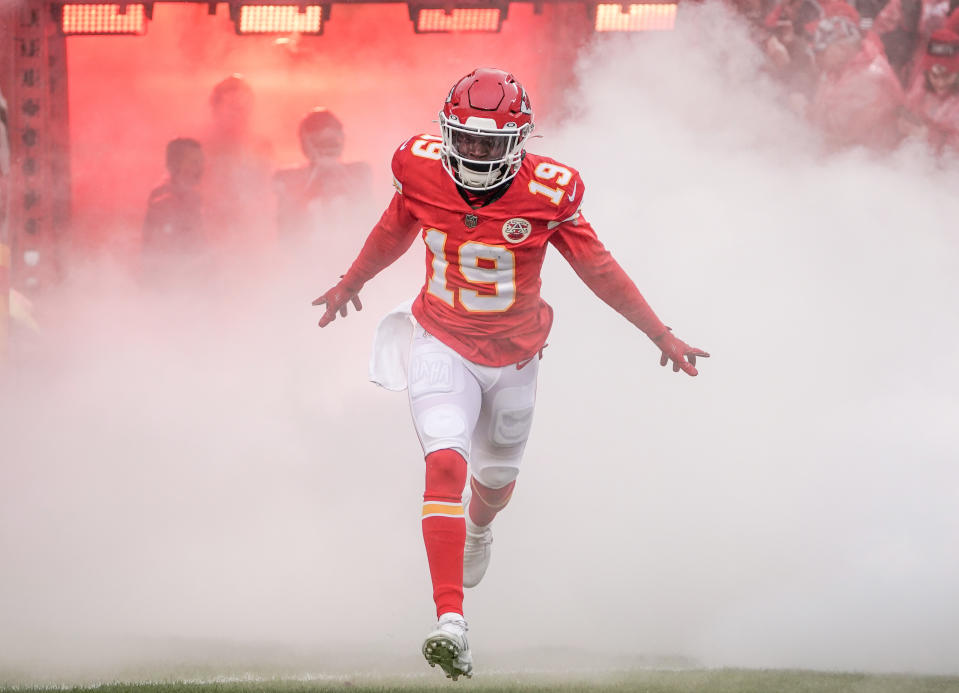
[281,19]
[77,20]
[431,20]
[636,17]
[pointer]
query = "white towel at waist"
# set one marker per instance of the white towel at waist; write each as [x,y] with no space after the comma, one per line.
[391,348]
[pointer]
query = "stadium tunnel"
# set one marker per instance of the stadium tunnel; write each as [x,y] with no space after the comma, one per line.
[94,91]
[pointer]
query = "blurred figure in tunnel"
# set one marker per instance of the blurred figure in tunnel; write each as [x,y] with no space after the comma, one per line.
[239,164]
[173,227]
[857,95]
[306,194]
[932,103]
[467,348]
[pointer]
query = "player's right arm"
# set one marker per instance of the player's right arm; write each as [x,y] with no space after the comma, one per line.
[392,236]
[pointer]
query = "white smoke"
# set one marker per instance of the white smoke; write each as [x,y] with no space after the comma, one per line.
[205,466]
[792,506]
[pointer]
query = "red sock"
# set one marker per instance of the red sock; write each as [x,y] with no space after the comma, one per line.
[486,502]
[444,528]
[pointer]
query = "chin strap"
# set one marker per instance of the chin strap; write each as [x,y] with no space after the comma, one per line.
[464,172]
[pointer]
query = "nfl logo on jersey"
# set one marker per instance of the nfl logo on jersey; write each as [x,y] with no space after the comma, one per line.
[516,230]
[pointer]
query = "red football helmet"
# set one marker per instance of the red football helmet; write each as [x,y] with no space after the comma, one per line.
[485,123]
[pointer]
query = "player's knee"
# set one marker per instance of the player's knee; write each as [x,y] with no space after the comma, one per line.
[445,473]
[494,477]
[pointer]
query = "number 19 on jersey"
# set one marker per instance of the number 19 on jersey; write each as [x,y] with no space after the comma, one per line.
[480,263]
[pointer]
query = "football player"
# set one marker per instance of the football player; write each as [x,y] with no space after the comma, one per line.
[304,193]
[486,210]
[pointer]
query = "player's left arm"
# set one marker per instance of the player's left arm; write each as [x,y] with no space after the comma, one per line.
[594,264]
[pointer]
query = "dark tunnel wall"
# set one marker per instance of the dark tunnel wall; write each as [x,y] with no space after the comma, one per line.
[130,95]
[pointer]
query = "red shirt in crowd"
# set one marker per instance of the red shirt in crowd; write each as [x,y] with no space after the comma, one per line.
[940,114]
[857,104]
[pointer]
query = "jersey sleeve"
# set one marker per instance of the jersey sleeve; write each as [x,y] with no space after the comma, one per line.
[576,240]
[392,236]
[572,199]
[399,164]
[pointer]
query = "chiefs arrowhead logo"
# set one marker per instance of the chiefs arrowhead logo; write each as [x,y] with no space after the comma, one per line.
[517,230]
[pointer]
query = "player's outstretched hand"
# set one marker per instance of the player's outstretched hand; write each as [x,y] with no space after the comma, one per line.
[679,352]
[337,300]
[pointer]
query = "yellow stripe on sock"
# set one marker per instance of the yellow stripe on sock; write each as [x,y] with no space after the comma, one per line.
[445,509]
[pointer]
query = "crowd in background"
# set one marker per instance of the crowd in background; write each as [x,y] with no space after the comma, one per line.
[866,72]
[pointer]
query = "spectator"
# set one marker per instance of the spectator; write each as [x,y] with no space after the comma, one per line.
[932,104]
[905,27]
[303,192]
[174,218]
[857,96]
[787,46]
[952,21]
[868,11]
[754,12]
[239,164]
[798,12]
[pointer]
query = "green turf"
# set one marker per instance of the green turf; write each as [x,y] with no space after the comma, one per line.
[696,681]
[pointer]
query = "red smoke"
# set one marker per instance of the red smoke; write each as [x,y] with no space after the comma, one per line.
[130,95]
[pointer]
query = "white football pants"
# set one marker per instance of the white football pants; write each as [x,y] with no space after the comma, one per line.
[484,413]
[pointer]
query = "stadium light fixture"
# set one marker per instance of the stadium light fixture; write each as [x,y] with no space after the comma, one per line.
[635,17]
[98,19]
[476,17]
[280,19]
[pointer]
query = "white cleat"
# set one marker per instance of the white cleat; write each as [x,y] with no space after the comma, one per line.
[446,645]
[476,554]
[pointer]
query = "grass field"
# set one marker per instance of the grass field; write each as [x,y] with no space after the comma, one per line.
[645,681]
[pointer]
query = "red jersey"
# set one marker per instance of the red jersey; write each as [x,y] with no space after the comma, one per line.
[939,113]
[481,296]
